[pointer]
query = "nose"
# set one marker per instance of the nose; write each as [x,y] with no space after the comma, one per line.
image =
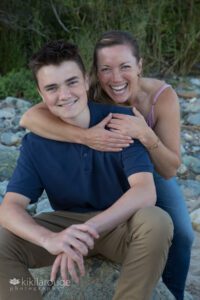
[64,93]
[116,75]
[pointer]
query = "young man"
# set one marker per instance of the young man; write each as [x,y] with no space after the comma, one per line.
[103,201]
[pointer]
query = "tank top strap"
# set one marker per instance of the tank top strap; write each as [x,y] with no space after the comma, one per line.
[160,90]
[150,119]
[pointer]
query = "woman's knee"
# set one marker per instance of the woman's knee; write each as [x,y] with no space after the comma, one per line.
[184,236]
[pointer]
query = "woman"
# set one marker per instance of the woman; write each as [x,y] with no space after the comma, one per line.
[116,77]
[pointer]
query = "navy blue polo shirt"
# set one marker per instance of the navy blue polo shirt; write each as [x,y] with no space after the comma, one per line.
[75,177]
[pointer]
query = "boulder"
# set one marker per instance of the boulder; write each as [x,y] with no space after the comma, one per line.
[98,283]
[195,218]
[8,158]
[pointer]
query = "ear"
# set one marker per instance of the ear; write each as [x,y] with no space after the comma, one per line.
[38,89]
[87,82]
[140,63]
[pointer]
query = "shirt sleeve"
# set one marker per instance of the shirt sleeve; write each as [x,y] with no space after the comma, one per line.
[25,179]
[135,159]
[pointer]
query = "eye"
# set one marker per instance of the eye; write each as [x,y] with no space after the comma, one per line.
[125,67]
[51,89]
[105,69]
[73,82]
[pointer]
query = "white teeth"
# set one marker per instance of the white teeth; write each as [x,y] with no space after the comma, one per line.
[68,103]
[119,88]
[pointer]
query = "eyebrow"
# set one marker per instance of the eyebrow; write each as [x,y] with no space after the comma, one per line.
[71,79]
[66,81]
[123,63]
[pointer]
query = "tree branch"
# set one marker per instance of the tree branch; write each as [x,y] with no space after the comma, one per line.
[58,18]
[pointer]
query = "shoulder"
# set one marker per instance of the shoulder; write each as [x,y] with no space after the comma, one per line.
[153,86]
[98,111]
[167,109]
[163,95]
[109,108]
[33,142]
[160,89]
[30,138]
[167,98]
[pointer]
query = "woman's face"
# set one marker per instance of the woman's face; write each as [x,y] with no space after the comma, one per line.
[117,72]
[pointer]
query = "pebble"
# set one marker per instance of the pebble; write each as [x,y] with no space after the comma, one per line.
[9,138]
[192,163]
[3,185]
[195,81]
[188,137]
[194,119]
[182,170]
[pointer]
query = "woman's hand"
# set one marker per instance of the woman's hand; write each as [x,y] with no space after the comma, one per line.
[101,139]
[134,126]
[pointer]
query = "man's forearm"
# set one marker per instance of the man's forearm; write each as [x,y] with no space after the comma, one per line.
[15,218]
[75,238]
[135,198]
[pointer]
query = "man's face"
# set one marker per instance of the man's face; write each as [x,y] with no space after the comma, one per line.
[64,89]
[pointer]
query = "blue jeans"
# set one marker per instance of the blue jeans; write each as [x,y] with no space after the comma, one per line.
[170,199]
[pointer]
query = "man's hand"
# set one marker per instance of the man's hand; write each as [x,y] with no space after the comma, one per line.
[71,245]
[76,238]
[67,265]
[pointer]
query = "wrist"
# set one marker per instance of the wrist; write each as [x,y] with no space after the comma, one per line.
[92,224]
[45,237]
[154,145]
[150,140]
[83,137]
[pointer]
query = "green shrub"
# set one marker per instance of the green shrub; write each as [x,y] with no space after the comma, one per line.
[19,84]
[167,30]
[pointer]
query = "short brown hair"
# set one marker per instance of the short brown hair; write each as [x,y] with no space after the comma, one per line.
[54,53]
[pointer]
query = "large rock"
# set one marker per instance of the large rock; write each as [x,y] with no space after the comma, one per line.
[195,218]
[193,163]
[98,283]
[8,158]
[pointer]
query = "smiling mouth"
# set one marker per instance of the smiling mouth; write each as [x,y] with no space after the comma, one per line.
[118,89]
[68,103]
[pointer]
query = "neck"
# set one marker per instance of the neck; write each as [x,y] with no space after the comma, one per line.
[139,94]
[82,120]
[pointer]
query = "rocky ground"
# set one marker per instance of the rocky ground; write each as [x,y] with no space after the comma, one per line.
[188,90]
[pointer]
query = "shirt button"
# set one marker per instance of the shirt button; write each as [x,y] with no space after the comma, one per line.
[85,155]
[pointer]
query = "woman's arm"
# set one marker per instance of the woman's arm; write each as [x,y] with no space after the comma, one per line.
[39,120]
[163,142]
[166,157]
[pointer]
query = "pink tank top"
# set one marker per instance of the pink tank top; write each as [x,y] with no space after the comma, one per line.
[150,117]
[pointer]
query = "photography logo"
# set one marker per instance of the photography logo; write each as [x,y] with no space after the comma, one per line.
[14,281]
[28,284]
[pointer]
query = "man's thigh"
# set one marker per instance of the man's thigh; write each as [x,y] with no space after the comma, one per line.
[14,248]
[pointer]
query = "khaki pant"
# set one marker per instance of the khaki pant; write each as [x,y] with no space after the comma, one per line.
[141,244]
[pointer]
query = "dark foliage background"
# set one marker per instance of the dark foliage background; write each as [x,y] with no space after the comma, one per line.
[168,32]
